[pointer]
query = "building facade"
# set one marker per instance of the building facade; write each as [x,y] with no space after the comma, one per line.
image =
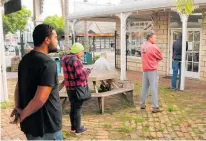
[167,25]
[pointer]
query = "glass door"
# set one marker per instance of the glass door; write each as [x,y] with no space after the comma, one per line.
[193,53]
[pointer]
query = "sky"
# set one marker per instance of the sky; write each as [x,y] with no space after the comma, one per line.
[54,7]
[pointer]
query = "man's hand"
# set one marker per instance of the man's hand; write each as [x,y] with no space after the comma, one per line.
[16,112]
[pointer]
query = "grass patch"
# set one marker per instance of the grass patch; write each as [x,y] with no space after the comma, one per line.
[138,120]
[171,108]
[67,135]
[126,129]
[130,118]
[107,126]
[160,130]
[197,131]
[146,129]
[4,105]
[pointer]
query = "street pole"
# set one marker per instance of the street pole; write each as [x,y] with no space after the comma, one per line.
[3,79]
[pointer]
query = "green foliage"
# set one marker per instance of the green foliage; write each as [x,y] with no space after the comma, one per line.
[126,129]
[185,6]
[16,21]
[107,126]
[95,58]
[171,108]
[62,53]
[4,105]
[57,23]
[67,134]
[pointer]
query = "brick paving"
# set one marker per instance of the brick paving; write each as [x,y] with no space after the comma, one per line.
[183,116]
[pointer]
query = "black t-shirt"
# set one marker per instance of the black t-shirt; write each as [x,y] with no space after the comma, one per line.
[37,69]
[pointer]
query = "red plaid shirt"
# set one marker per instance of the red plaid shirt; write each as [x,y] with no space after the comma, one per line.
[74,73]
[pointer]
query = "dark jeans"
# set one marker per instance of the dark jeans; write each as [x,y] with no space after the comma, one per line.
[48,136]
[176,67]
[76,110]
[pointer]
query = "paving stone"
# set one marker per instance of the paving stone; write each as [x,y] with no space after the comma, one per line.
[179,134]
[184,130]
[159,134]
[134,136]
[187,135]
[173,135]
[153,134]
[167,137]
[176,128]
[203,137]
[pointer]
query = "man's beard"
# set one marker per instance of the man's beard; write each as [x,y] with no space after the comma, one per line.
[51,49]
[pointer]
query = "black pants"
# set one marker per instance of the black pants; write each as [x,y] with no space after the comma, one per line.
[76,110]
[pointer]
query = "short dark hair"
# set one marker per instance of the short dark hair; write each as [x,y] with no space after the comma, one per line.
[149,35]
[40,32]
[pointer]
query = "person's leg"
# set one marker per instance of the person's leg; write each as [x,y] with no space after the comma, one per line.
[72,116]
[48,136]
[72,108]
[30,137]
[175,72]
[179,68]
[153,81]
[53,136]
[77,113]
[145,88]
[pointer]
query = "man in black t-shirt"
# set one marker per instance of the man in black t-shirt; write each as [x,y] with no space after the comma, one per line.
[37,103]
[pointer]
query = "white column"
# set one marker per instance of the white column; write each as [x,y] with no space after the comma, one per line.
[3,79]
[38,6]
[184,19]
[72,24]
[66,30]
[123,18]
[86,43]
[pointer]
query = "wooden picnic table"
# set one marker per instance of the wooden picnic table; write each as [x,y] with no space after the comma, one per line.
[110,77]
[97,76]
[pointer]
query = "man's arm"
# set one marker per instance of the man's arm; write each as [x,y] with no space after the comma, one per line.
[16,95]
[40,98]
[157,54]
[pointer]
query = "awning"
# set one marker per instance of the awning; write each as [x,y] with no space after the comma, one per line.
[96,35]
[140,5]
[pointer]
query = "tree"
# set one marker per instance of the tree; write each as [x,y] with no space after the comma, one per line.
[16,21]
[57,23]
[185,6]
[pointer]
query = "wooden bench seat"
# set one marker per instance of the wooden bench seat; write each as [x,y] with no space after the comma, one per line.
[63,96]
[100,96]
[112,92]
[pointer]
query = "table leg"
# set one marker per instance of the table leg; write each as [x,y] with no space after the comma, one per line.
[99,103]
[102,105]
[95,87]
[99,98]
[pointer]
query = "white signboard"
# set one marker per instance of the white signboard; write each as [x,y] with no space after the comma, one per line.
[190,44]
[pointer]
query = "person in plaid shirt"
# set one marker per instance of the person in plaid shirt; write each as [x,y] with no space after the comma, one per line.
[75,76]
